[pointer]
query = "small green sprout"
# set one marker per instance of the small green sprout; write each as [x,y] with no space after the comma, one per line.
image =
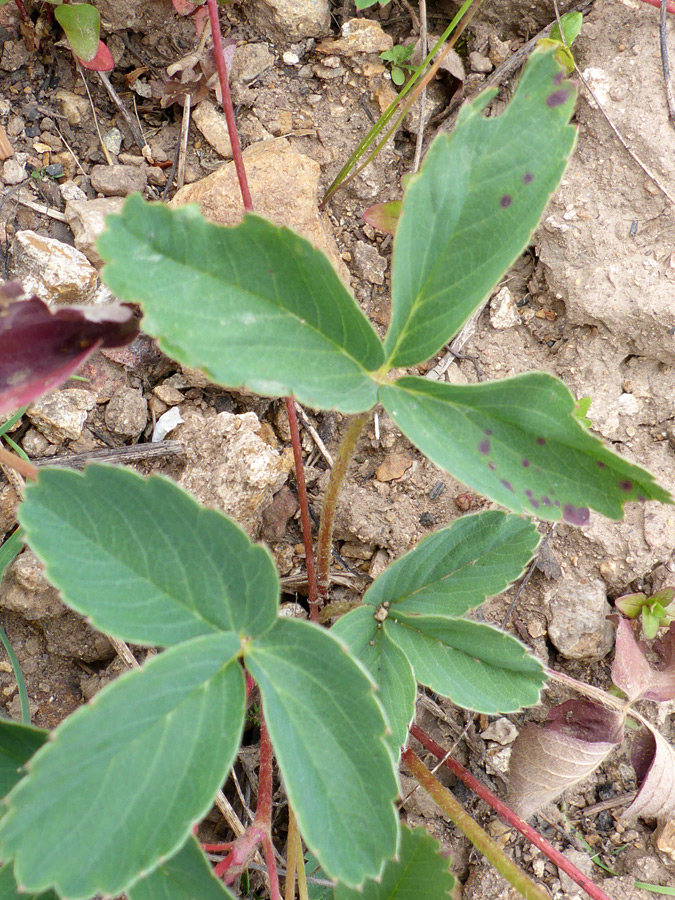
[571,26]
[398,56]
[655,611]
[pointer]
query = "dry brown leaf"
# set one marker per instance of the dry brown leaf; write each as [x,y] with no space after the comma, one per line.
[654,763]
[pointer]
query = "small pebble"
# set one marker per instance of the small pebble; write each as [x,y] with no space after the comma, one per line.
[290,59]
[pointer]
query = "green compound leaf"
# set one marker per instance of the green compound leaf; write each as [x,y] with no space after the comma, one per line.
[388,666]
[328,731]
[254,306]
[472,208]
[186,876]
[474,665]
[418,873]
[455,569]
[119,786]
[17,744]
[81,23]
[144,560]
[10,891]
[518,442]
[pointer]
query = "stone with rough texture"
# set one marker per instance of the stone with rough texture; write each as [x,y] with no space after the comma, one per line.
[250,61]
[26,591]
[277,174]
[56,272]
[503,310]
[229,468]
[584,863]
[487,884]
[118,181]
[127,413]
[368,262]
[577,618]
[13,172]
[87,220]
[213,127]
[393,466]
[289,20]
[61,415]
[359,36]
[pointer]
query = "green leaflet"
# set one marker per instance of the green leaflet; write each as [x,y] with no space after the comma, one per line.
[455,569]
[10,891]
[120,784]
[17,744]
[418,873]
[254,306]
[328,731]
[472,208]
[388,666]
[144,560]
[186,876]
[81,23]
[474,665]
[518,442]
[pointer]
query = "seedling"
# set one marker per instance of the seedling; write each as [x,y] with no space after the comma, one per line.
[562,41]
[398,56]
[110,803]
[655,611]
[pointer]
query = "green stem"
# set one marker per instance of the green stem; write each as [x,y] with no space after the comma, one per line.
[337,476]
[472,830]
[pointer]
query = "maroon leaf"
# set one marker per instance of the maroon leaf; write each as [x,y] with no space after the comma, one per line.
[384,216]
[654,763]
[545,761]
[102,61]
[39,349]
[632,672]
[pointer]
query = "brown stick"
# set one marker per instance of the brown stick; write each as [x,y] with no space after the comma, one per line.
[130,454]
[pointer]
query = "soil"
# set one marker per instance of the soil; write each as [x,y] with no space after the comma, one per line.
[592,301]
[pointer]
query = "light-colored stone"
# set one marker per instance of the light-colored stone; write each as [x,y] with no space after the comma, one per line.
[25,589]
[73,106]
[480,63]
[250,61]
[290,20]
[118,181]
[359,36]
[368,262]
[127,413]
[503,731]
[213,127]
[284,187]
[577,618]
[394,466]
[87,221]
[13,172]
[61,415]
[503,310]
[229,468]
[584,863]
[56,272]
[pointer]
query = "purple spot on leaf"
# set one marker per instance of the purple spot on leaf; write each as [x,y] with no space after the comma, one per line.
[541,441]
[546,501]
[492,466]
[507,484]
[556,503]
[557,98]
[626,485]
[576,515]
[600,464]
[641,498]
[534,503]
[558,78]
[526,463]
[528,178]
[505,201]
[484,447]
[488,431]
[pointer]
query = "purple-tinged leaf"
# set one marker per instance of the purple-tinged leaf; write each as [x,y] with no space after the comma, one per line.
[654,763]
[384,216]
[101,61]
[39,349]
[545,761]
[632,673]
[631,604]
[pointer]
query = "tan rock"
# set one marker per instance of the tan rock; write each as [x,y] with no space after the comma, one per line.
[393,466]
[213,127]
[284,186]
[358,36]
[56,272]
[87,220]
[290,19]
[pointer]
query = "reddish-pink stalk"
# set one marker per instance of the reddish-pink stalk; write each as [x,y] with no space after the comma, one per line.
[509,816]
[21,8]
[228,109]
[271,863]
[313,595]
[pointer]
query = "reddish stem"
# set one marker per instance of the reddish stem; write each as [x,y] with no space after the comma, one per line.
[508,815]
[228,108]
[313,595]
[271,863]
[263,810]
[21,8]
